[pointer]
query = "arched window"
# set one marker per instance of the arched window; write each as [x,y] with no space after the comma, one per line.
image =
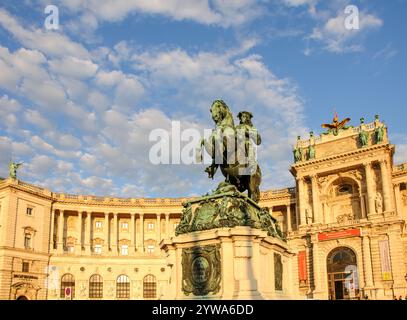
[123,287]
[149,287]
[344,189]
[96,286]
[67,281]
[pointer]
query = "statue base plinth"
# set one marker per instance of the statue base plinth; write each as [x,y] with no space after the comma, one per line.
[228,263]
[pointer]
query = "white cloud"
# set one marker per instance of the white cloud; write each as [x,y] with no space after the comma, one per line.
[297,3]
[49,42]
[35,117]
[9,105]
[103,117]
[338,39]
[73,67]
[208,12]
[48,94]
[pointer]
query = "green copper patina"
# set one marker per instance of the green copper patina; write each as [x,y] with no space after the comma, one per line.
[201,270]
[363,135]
[13,166]
[232,149]
[379,130]
[227,206]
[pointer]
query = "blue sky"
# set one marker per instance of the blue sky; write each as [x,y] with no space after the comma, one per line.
[77,104]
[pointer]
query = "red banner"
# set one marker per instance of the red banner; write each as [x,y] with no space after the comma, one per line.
[302,266]
[339,234]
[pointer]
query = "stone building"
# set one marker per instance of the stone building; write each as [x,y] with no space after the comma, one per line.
[345,223]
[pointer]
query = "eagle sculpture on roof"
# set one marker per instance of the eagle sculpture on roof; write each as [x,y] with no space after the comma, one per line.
[335,126]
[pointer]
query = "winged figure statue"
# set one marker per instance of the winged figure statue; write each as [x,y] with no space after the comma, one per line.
[335,126]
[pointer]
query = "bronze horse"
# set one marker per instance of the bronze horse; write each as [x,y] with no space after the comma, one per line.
[224,146]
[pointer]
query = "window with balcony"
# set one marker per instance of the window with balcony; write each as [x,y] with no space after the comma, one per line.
[125,250]
[97,249]
[27,241]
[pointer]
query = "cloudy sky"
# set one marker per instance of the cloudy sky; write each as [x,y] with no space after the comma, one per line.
[77,104]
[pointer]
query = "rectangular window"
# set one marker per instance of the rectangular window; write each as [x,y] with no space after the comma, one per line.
[176,225]
[150,249]
[27,241]
[150,226]
[26,267]
[71,249]
[29,211]
[125,225]
[98,249]
[98,224]
[125,250]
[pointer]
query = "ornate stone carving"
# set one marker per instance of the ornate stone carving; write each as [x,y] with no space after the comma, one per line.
[226,207]
[201,270]
[378,203]
[344,218]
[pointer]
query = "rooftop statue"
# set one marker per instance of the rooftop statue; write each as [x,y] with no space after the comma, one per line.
[13,166]
[335,126]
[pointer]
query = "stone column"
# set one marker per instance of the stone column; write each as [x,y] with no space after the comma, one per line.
[61,232]
[106,234]
[397,254]
[369,187]
[385,186]
[88,248]
[362,207]
[289,229]
[398,199]
[367,262]
[325,213]
[315,266]
[114,234]
[141,232]
[300,182]
[132,233]
[315,201]
[158,230]
[78,245]
[52,230]
[167,225]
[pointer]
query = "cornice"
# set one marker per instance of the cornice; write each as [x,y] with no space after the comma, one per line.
[301,166]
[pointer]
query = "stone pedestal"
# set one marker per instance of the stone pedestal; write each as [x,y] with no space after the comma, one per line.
[227,247]
[227,263]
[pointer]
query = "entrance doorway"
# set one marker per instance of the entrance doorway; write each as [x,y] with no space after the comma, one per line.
[22,298]
[343,280]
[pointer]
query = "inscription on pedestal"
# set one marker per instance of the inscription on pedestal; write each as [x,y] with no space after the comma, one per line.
[201,270]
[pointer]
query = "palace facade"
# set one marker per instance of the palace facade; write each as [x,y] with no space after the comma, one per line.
[345,224]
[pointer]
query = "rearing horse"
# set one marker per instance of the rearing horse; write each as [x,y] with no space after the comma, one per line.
[224,146]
